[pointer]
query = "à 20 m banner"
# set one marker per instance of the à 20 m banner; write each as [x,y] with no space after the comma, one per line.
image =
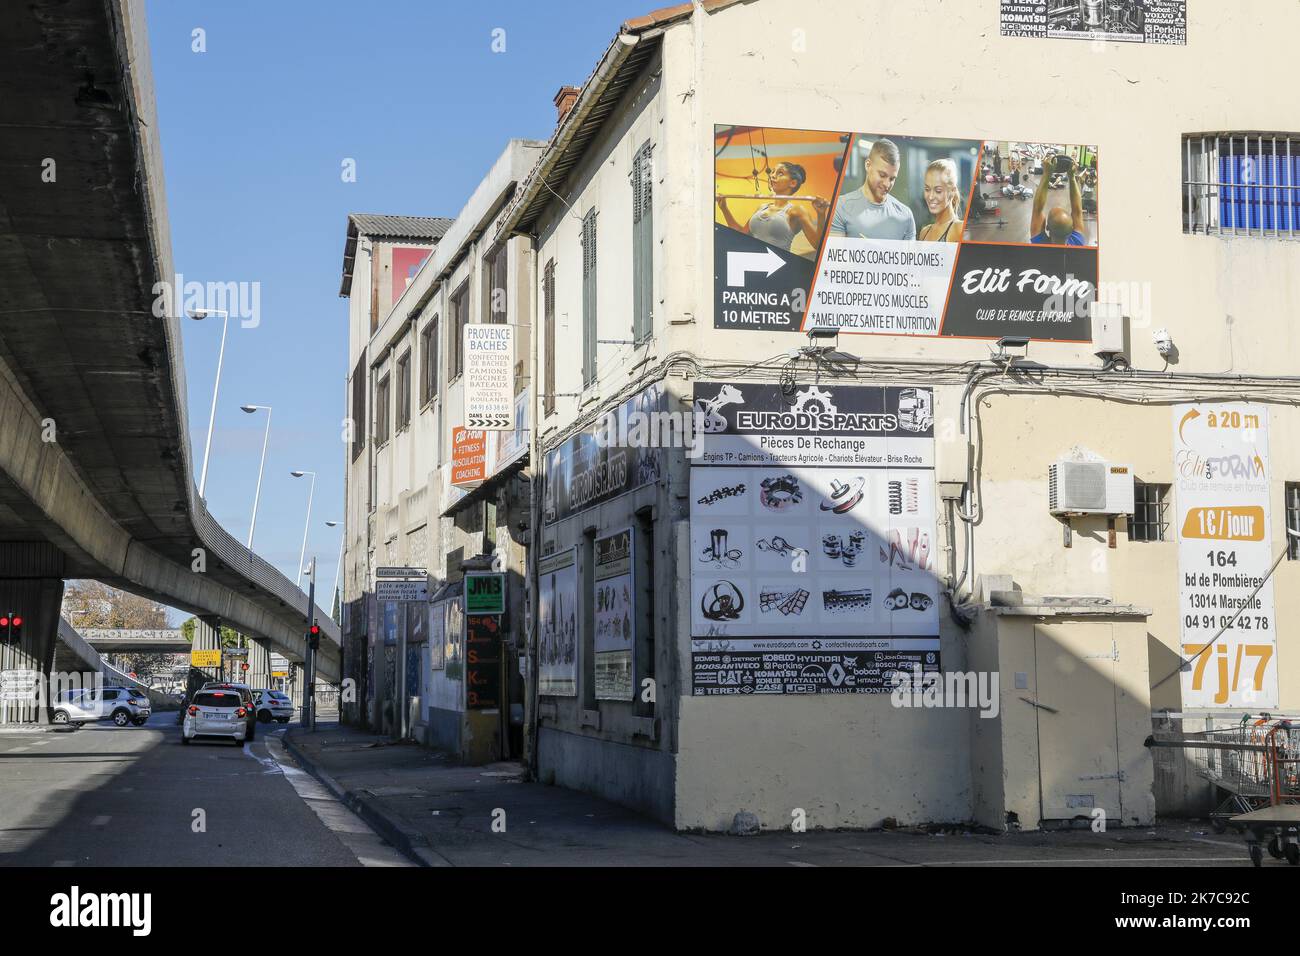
[881,234]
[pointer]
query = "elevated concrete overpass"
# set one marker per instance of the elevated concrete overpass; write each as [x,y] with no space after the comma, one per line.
[96,470]
[113,641]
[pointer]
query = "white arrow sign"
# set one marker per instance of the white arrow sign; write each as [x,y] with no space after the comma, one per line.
[738,263]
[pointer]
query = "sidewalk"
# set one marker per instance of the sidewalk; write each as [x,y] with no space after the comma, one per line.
[441,814]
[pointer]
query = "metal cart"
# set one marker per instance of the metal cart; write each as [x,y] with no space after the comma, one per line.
[1257,763]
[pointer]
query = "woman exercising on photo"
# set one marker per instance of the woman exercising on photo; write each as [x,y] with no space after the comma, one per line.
[779,221]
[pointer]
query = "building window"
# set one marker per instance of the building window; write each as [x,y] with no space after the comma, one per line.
[404,390]
[1242,184]
[548,319]
[1150,518]
[494,285]
[429,362]
[459,311]
[359,408]
[381,412]
[642,245]
[1293,519]
[589,299]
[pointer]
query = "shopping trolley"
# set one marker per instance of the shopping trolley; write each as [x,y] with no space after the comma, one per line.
[1257,764]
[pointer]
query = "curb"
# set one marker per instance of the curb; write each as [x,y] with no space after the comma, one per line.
[402,839]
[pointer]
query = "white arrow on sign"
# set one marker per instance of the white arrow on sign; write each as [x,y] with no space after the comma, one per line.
[738,263]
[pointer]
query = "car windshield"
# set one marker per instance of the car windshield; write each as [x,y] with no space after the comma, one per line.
[217,698]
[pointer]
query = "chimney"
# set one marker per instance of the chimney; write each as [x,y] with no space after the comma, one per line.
[564,101]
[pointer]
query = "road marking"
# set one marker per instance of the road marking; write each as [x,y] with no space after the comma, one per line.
[800,863]
[350,829]
[100,821]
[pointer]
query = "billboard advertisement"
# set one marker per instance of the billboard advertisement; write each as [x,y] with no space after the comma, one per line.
[615,618]
[881,234]
[1225,553]
[583,472]
[813,539]
[557,671]
[1119,21]
[489,351]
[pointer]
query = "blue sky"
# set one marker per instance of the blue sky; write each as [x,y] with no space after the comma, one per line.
[254,132]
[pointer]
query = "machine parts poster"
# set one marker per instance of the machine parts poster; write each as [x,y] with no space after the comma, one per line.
[1225,551]
[615,616]
[882,234]
[1123,21]
[582,472]
[813,542]
[557,671]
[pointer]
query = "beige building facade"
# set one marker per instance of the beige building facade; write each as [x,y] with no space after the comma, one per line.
[1083,612]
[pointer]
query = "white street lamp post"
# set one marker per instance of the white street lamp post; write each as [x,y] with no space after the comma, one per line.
[199,315]
[257,495]
[302,556]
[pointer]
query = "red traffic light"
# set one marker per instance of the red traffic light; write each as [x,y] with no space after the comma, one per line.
[18,621]
[315,630]
[4,621]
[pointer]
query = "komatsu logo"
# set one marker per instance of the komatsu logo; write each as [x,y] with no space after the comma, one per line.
[814,411]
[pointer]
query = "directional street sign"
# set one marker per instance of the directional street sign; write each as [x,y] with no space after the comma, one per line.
[389,590]
[397,572]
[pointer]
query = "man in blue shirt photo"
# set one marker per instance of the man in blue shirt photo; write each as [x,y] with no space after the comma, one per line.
[1057,226]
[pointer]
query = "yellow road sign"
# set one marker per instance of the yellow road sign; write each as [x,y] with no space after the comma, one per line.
[205,658]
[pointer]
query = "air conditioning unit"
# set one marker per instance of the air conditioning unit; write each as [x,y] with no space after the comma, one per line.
[1089,488]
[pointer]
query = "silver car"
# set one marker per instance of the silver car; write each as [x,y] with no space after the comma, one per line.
[122,705]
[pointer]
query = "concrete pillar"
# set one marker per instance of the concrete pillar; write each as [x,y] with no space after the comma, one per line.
[259,666]
[31,586]
[207,637]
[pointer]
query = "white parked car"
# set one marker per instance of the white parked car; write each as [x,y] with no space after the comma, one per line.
[273,705]
[122,705]
[215,713]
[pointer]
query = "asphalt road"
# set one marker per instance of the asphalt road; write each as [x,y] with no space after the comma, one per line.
[134,796]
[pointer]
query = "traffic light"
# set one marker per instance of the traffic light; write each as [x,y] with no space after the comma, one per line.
[313,637]
[11,625]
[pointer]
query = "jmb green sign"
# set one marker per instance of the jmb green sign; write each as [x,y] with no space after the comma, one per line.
[485,593]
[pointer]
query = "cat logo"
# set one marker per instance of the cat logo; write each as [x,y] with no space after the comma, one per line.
[729,677]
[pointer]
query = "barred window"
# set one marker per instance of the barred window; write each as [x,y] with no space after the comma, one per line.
[1242,184]
[1150,518]
[1293,519]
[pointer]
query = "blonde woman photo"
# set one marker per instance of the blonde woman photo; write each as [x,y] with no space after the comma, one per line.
[943,199]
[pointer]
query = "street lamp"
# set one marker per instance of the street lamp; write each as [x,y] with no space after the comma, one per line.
[338,567]
[307,524]
[250,409]
[199,315]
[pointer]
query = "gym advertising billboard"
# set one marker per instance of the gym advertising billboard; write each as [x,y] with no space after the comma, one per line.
[879,234]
